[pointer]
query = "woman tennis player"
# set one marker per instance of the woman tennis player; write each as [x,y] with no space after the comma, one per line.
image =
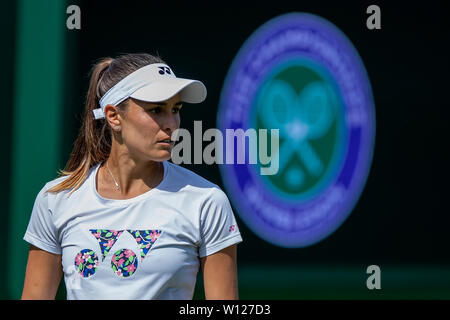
[122,222]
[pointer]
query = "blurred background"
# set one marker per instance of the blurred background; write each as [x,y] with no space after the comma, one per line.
[401,221]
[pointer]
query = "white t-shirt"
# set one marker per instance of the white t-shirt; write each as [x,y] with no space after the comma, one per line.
[146,247]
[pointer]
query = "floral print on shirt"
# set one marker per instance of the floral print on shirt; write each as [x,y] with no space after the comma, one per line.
[124,262]
[106,239]
[86,262]
[145,239]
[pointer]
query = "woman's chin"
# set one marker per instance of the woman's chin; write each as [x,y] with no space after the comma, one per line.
[163,155]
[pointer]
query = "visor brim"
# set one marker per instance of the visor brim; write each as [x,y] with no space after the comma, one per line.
[191,91]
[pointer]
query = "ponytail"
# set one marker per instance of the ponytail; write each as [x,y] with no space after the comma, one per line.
[93,144]
[88,149]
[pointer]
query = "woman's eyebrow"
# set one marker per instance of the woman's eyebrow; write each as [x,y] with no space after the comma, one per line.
[165,104]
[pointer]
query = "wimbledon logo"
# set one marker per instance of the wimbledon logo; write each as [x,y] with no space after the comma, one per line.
[299,74]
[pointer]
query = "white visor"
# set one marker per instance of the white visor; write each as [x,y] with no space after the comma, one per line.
[153,83]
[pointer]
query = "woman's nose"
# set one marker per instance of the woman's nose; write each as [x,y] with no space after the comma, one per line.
[171,122]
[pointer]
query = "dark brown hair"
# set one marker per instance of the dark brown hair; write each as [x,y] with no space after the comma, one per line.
[93,144]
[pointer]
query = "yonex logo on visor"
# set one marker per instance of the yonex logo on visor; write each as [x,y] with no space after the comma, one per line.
[164,70]
[153,83]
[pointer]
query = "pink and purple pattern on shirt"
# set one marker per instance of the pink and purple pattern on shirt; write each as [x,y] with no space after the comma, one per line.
[106,239]
[124,261]
[86,262]
[145,239]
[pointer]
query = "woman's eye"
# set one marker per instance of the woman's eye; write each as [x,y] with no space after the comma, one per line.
[155,110]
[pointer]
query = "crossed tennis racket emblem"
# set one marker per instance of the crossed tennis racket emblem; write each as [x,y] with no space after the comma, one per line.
[300,118]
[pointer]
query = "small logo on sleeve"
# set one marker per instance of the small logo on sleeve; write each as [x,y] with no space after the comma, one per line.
[232,228]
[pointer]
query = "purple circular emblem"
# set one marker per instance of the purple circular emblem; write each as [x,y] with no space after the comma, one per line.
[300,81]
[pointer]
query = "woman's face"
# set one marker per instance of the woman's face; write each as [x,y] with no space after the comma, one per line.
[147,124]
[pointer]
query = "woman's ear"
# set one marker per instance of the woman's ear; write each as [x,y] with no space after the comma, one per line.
[112,116]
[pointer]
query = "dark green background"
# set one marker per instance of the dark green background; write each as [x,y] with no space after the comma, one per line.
[401,221]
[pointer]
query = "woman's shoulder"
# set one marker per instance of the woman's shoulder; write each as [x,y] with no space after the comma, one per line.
[184,178]
[54,182]
[183,174]
[46,199]
[51,183]
[65,193]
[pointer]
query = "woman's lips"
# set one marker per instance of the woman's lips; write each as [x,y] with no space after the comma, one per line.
[166,142]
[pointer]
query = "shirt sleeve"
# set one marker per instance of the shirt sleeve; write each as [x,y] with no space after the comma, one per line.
[41,231]
[218,224]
